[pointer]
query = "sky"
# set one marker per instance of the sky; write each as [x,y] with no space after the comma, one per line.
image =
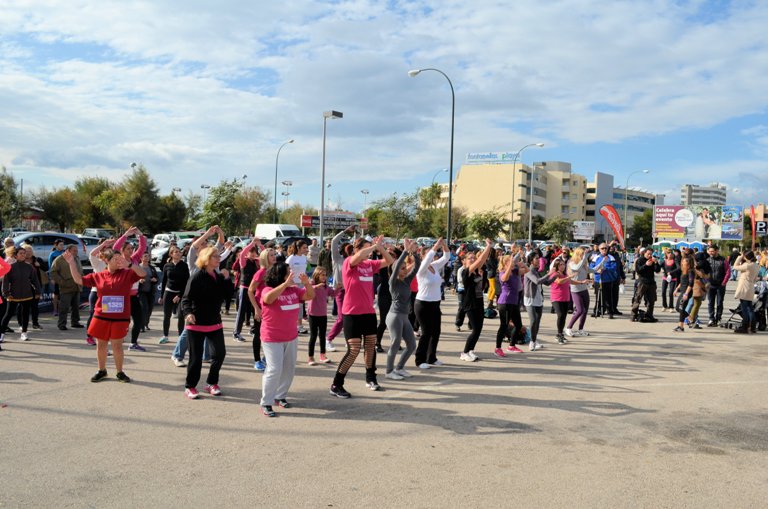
[201,91]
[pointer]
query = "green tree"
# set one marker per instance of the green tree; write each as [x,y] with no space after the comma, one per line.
[171,214]
[194,206]
[487,224]
[557,228]
[393,216]
[10,201]
[134,202]
[219,207]
[642,228]
[89,214]
[60,206]
[256,207]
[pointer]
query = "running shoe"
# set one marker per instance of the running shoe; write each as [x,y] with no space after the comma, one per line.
[324,359]
[179,363]
[678,329]
[239,338]
[373,385]
[100,375]
[403,373]
[437,362]
[465,357]
[283,403]
[267,411]
[472,355]
[339,392]
[2,338]
[137,348]
[163,340]
[123,377]
[24,336]
[560,339]
[191,393]
[569,333]
[303,330]
[424,365]
[260,365]
[37,326]
[379,349]
[393,375]
[213,390]
[513,349]
[582,333]
[311,361]
[77,326]
[90,341]
[329,347]
[498,352]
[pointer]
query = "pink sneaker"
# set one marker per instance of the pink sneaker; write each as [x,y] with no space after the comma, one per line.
[213,390]
[513,349]
[499,353]
[90,341]
[191,393]
[324,359]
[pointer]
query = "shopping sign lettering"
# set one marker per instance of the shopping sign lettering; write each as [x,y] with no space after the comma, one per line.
[334,221]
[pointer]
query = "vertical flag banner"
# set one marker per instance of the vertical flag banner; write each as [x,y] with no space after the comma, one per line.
[610,215]
[753,220]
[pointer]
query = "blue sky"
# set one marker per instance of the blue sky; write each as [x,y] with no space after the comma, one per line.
[210,92]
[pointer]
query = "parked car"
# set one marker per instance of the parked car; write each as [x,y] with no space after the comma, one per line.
[271,230]
[90,242]
[42,244]
[103,233]
[287,241]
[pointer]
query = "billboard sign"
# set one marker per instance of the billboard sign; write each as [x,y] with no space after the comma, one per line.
[583,230]
[701,222]
[333,221]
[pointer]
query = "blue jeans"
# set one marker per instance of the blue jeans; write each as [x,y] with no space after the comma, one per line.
[182,346]
[716,294]
[747,313]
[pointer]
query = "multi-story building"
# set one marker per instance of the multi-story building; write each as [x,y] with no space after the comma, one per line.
[693,194]
[602,191]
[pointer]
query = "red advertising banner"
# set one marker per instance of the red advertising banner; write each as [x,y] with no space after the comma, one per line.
[610,215]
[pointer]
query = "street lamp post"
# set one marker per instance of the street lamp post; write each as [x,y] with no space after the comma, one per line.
[438,172]
[626,193]
[205,188]
[530,204]
[412,74]
[365,197]
[514,178]
[277,158]
[326,115]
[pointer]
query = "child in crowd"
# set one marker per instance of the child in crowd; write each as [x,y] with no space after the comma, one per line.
[318,314]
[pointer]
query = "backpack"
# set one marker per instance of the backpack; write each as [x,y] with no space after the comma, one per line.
[490,313]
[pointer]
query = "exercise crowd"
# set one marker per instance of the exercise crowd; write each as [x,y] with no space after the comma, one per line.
[277,291]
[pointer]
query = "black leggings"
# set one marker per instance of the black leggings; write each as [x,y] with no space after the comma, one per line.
[318,326]
[256,332]
[561,308]
[428,314]
[509,313]
[10,311]
[668,293]
[137,317]
[385,302]
[168,308]
[217,350]
[476,317]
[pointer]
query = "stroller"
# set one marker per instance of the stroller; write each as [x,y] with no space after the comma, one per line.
[759,305]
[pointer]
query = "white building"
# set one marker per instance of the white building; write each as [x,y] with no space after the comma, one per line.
[693,194]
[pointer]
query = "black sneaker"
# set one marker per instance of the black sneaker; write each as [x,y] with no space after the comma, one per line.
[62,327]
[123,377]
[561,339]
[100,375]
[712,323]
[282,403]
[77,326]
[339,392]
[268,411]
[379,349]
[37,326]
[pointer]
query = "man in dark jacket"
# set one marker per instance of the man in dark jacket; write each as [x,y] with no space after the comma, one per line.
[646,267]
[721,274]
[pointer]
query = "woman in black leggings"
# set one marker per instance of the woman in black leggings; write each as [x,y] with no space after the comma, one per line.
[175,277]
[472,277]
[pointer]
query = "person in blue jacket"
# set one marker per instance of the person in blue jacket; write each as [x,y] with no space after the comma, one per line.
[606,276]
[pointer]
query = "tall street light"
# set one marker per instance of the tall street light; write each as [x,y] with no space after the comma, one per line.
[412,74]
[277,158]
[530,203]
[626,193]
[326,115]
[205,188]
[514,177]
[438,172]
[365,197]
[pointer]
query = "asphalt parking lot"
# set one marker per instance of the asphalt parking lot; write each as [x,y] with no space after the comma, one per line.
[632,416]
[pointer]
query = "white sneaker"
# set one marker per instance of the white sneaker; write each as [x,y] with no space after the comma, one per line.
[403,373]
[178,363]
[437,362]
[2,338]
[466,357]
[329,347]
[582,333]
[374,386]
[472,355]
[24,336]
[532,346]
[392,375]
[569,333]
[539,345]
[424,365]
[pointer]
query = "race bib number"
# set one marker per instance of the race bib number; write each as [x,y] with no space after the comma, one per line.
[112,304]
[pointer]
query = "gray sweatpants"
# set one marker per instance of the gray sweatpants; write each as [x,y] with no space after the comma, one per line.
[281,366]
[399,327]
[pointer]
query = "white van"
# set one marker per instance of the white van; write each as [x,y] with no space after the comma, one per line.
[270,231]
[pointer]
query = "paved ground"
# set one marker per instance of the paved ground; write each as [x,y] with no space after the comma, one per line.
[633,416]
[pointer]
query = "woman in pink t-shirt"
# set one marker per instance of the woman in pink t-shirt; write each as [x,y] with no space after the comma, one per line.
[560,294]
[281,300]
[266,260]
[359,315]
